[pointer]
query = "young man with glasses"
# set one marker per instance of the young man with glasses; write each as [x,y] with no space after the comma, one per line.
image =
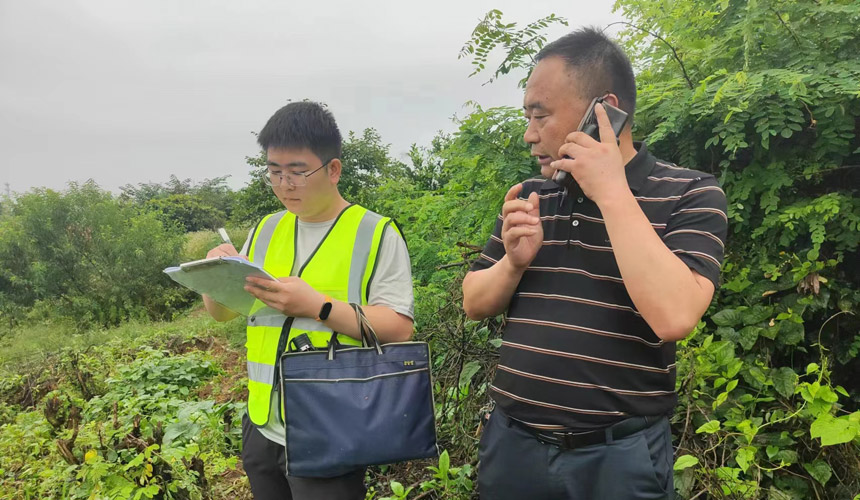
[327,254]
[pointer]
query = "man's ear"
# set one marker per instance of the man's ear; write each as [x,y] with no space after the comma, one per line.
[611,99]
[334,169]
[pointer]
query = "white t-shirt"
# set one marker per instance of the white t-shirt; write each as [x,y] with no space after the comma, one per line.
[390,286]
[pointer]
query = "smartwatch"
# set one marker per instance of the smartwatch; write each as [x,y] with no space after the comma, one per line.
[325,310]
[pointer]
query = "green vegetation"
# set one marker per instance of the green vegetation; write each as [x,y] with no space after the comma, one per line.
[83,256]
[145,410]
[764,94]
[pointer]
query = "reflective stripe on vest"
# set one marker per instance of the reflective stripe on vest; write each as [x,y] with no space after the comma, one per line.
[259,371]
[340,267]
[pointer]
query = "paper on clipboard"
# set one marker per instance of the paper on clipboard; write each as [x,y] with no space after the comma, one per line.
[221,278]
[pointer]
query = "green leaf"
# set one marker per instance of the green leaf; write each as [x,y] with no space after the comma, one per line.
[136,461]
[710,427]
[685,461]
[809,390]
[770,332]
[724,352]
[775,494]
[729,334]
[747,336]
[784,381]
[748,429]
[756,376]
[444,464]
[397,488]
[727,474]
[790,333]
[721,398]
[469,371]
[496,343]
[819,470]
[756,314]
[832,430]
[811,368]
[745,456]
[727,317]
[827,394]
[787,456]
[733,367]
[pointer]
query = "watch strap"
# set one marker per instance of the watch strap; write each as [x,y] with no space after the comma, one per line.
[325,310]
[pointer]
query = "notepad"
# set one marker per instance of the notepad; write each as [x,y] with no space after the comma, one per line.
[221,278]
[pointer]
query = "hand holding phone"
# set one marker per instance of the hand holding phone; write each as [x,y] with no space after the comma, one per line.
[588,124]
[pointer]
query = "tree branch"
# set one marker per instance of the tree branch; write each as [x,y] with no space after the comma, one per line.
[834,169]
[469,246]
[793,34]
[658,37]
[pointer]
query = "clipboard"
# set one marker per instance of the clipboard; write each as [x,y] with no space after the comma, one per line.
[222,279]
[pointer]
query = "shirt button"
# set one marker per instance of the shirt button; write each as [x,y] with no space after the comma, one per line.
[575,223]
[579,200]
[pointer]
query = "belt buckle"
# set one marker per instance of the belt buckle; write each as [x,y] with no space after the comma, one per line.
[553,439]
[568,440]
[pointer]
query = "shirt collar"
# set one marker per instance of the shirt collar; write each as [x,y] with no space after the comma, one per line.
[637,169]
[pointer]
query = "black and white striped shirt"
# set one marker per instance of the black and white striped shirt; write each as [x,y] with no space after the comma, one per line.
[576,353]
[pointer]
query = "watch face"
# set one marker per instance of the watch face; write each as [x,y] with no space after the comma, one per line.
[325,311]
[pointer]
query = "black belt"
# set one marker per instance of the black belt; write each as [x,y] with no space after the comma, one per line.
[568,440]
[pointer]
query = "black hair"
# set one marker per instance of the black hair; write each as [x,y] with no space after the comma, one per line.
[304,124]
[599,64]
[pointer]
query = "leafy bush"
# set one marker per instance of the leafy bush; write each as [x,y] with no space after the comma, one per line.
[192,206]
[123,421]
[766,95]
[82,254]
[187,211]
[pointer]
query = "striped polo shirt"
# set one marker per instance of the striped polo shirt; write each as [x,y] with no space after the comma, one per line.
[575,351]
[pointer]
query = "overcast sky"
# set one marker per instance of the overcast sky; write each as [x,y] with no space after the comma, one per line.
[128,92]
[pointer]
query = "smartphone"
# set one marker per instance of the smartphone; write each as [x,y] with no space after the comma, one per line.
[589,125]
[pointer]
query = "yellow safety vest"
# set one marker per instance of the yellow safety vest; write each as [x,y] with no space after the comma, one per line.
[340,267]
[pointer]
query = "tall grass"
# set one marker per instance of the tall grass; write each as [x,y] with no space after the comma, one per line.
[34,344]
[197,243]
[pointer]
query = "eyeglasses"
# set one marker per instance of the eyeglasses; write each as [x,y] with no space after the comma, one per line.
[295,179]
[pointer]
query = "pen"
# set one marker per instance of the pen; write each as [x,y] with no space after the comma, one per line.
[224,237]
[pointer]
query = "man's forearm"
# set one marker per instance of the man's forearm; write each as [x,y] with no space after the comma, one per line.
[662,287]
[488,292]
[217,311]
[389,325]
